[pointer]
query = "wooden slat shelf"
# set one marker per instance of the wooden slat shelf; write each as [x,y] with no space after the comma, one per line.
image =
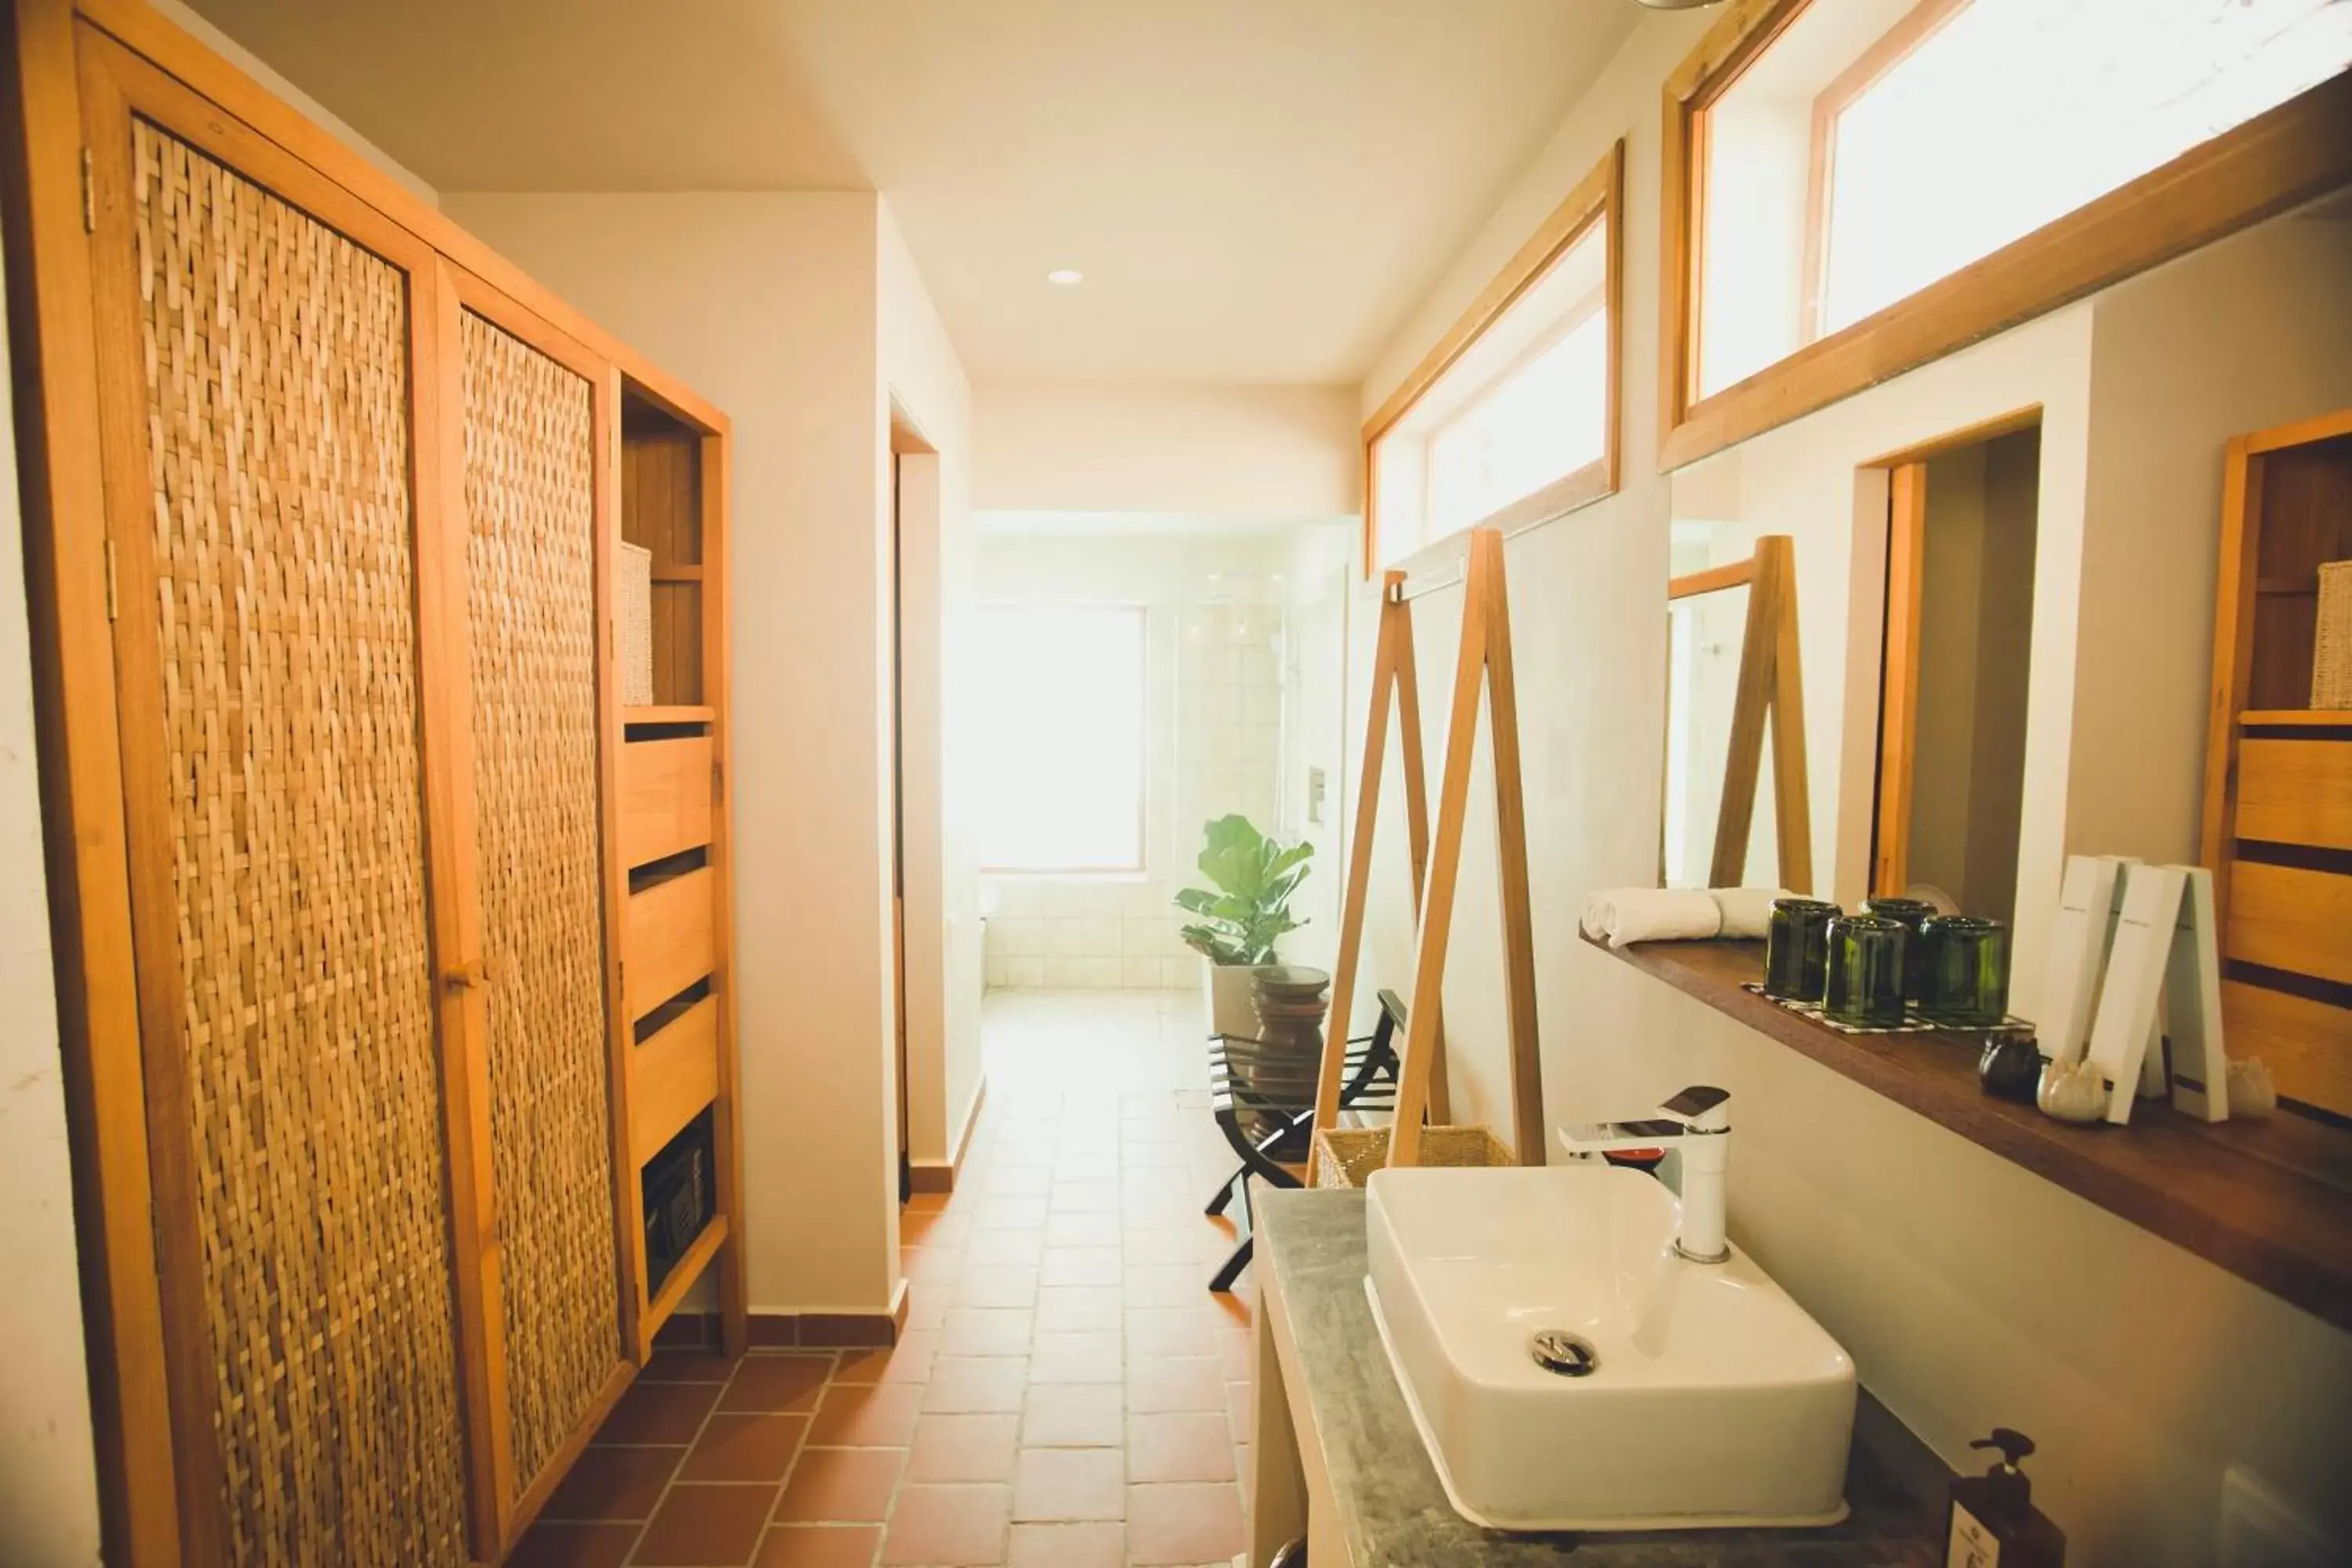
[670,714]
[2282,718]
[2270,1201]
[683,1274]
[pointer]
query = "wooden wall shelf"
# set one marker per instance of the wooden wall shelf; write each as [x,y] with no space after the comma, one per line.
[676,907]
[2270,1201]
[2296,718]
[2275,829]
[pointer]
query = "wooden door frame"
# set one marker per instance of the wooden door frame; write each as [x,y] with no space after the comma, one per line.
[1898,668]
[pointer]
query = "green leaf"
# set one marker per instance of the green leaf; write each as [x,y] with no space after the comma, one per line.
[1254,878]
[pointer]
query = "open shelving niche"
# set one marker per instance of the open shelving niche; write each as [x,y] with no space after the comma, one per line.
[2277,819]
[677,937]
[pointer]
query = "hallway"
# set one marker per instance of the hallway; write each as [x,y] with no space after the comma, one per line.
[1067,1393]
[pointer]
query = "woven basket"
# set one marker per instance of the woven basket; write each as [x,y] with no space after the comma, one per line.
[2331,660]
[1350,1154]
[634,598]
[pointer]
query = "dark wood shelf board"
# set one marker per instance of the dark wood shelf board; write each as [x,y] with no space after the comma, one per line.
[2296,718]
[683,1274]
[2270,1200]
[670,714]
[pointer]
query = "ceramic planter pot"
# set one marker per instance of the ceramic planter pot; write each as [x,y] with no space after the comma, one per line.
[1230,991]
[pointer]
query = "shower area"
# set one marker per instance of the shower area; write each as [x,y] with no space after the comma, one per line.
[1132,678]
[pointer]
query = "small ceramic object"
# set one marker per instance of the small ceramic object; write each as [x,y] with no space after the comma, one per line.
[2072,1091]
[2011,1066]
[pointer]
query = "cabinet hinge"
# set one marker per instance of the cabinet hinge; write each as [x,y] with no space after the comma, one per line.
[718,782]
[88,194]
[109,579]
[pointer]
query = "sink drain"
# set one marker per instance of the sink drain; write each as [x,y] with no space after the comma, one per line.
[1556,1351]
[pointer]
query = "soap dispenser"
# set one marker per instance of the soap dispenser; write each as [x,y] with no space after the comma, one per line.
[1994,1522]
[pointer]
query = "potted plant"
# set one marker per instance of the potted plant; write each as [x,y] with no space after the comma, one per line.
[1240,921]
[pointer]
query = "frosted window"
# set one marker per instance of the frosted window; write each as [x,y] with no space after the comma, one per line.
[1836,184]
[1540,424]
[2015,112]
[1525,408]
[1060,742]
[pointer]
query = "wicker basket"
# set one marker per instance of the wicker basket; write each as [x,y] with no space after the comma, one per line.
[2331,660]
[634,600]
[1350,1154]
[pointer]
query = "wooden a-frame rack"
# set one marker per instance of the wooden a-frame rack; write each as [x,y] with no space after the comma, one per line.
[1484,663]
[1771,684]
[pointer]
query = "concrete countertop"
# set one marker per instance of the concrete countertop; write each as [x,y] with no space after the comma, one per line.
[1392,1508]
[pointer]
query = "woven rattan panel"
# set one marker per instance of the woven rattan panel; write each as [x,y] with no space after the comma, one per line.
[277,373]
[532,602]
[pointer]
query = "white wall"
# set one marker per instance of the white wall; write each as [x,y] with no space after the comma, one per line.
[921,381]
[254,66]
[1199,451]
[1969,1292]
[768,305]
[1320,580]
[48,1483]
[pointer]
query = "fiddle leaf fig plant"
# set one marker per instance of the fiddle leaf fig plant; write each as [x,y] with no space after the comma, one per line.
[1252,876]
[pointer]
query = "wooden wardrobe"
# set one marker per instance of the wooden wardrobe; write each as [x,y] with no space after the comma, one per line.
[390,948]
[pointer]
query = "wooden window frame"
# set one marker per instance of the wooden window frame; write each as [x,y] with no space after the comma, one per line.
[2280,159]
[1598,197]
[1901,41]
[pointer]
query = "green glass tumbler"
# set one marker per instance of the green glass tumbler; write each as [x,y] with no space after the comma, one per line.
[1866,977]
[1968,977]
[1911,914]
[1797,949]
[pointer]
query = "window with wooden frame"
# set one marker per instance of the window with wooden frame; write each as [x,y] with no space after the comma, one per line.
[1062,693]
[1854,189]
[1512,419]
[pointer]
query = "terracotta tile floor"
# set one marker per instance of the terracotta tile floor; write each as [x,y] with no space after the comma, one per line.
[1068,1394]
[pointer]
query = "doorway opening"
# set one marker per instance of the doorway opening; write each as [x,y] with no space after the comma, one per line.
[1955,664]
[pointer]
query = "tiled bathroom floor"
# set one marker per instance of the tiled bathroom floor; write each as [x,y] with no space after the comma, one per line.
[1067,1394]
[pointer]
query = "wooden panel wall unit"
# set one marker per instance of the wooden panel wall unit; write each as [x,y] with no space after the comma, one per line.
[674,863]
[2277,820]
[268,656]
[661,465]
[322,500]
[532,634]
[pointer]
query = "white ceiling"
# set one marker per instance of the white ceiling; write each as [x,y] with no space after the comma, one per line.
[1256,190]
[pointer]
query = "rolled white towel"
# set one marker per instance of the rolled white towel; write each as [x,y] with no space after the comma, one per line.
[1746,911]
[1623,915]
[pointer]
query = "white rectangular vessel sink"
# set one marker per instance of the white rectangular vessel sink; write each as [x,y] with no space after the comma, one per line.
[1695,1395]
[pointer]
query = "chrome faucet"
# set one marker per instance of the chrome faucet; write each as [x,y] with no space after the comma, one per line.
[1697,1124]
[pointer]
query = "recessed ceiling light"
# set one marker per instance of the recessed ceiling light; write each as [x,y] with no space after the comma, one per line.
[1067,276]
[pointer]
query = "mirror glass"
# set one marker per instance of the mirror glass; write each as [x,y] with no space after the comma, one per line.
[1704,634]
